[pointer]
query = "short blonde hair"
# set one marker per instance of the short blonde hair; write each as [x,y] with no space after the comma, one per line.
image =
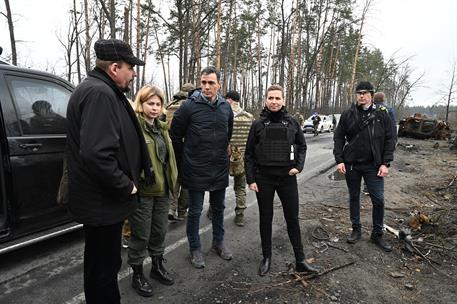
[275,87]
[145,93]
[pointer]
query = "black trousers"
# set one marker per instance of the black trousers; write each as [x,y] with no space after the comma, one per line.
[102,261]
[286,187]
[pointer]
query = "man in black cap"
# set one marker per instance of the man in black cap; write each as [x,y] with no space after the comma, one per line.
[363,147]
[106,154]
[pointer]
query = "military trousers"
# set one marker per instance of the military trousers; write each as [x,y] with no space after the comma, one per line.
[179,201]
[149,225]
[239,186]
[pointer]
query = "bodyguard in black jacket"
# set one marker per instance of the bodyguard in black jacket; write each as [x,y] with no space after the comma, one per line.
[363,147]
[106,153]
[275,154]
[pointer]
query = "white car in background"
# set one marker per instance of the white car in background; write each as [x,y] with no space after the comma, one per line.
[325,125]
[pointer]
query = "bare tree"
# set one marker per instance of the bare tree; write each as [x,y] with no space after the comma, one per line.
[451,89]
[9,17]
[359,42]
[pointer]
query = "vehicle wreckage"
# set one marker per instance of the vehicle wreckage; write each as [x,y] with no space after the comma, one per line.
[421,127]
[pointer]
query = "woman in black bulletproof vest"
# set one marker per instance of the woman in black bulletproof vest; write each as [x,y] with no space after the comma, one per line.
[275,154]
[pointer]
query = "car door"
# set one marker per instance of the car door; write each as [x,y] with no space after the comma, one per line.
[36,142]
[3,202]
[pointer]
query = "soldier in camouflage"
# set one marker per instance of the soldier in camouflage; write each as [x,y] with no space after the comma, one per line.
[179,198]
[241,124]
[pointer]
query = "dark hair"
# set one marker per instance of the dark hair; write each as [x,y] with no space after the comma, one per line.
[211,70]
[234,95]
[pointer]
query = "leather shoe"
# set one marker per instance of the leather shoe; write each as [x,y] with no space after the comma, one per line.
[222,251]
[379,241]
[140,283]
[159,272]
[196,259]
[304,266]
[264,266]
[355,236]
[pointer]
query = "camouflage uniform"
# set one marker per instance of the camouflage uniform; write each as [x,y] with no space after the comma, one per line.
[241,124]
[300,119]
[179,196]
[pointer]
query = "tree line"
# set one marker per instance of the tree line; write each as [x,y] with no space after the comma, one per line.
[314,49]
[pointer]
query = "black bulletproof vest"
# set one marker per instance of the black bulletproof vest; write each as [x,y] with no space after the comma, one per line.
[276,146]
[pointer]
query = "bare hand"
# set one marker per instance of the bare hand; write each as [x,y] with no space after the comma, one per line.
[341,168]
[383,171]
[254,187]
[293,171]
[134,190]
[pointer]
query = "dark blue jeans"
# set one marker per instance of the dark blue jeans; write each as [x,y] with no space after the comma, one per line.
[375,185]
[217,203]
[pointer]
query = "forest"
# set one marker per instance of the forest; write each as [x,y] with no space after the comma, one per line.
[314,49]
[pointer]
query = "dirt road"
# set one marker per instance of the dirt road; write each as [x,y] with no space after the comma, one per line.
[419,181]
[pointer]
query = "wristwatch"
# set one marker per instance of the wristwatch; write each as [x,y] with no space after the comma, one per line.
[386,164]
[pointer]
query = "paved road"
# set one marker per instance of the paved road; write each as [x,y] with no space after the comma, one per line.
[51,272]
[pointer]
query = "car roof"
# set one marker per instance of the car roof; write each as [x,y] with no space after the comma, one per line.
[11,68]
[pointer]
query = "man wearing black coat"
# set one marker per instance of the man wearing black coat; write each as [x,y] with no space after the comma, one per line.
[200,131]
[363,148]
[106,154]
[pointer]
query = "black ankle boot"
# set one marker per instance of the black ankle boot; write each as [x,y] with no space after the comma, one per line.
[159,272]
[355,236]
[379,241]
[139,282]
[264,266]
[303,266]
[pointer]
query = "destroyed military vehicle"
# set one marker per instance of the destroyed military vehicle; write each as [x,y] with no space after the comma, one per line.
[421,127]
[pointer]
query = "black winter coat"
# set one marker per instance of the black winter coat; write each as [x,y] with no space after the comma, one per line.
[251,163]
[103,152]
[200,132]
[346,140]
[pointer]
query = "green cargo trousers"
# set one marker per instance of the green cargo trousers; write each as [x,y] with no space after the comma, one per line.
[179,201]
[239,186]
[149,225]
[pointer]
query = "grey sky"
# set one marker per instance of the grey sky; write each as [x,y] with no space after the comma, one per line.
[425,30]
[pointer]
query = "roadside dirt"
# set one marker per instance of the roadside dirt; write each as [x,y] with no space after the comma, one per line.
[422,179]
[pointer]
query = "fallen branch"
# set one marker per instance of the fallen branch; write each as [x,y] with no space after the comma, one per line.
[337,247]
[333,206]
[314,275]
[301,280]
[426,258]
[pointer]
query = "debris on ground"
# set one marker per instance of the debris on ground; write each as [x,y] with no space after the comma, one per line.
[421,127]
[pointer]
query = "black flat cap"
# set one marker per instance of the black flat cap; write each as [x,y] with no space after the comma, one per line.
[364,86]
[115,50]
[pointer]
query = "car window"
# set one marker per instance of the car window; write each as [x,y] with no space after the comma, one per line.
[41,105]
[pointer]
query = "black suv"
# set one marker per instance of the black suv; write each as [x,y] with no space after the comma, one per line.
[33,107]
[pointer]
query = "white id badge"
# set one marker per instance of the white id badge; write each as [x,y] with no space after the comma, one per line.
[292,152]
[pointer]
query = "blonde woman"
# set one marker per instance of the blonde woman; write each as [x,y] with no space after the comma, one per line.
[149,221]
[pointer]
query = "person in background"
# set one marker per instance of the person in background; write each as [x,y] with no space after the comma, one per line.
[363,148]
[379,100]
[149,221]
[106,154]
[275,154]
[242,121]
[301,120]
[179,198]
[316,120]
[201,130]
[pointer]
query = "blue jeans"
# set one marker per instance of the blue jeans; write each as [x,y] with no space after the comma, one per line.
[375,185]
[217,203]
